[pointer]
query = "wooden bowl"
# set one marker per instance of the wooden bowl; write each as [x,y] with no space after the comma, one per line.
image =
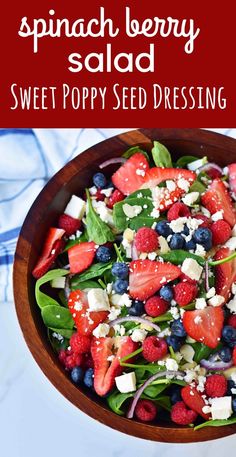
[73,178]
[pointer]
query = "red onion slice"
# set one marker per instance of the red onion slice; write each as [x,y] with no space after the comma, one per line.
[207,287]
[215,366]
[209,165]
[112,161]
[134,252]
[152,378]
[141,320]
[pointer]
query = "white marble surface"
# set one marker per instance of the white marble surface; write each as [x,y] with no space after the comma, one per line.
[36,421]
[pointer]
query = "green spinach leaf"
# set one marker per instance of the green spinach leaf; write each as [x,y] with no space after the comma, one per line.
[89,284]
[81,239]
[155,390]
[178,256]
[131,151]
[161,155]
[96,270]
[116,400]
[217,423]
[122,222]
[197,186]
[57,343]
[98,231]
[141,193]
[58,319]
[184,160]
[41,298]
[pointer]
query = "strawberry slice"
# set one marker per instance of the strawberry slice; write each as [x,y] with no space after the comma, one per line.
[232,178]
[104,370]
[225,273]
[52,248]
[167,198]
[130,176]
[217,198]
[157,175]
[204,325]
[81,256]
[147,277]
[193,399]
[85,321]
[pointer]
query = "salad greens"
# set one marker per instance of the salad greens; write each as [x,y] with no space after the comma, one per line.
[98,231]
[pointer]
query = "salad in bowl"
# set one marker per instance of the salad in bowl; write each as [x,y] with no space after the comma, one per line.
[136,284]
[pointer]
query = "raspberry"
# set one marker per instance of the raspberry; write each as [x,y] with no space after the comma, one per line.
[62,356]
[213,173]
[221,232]
[178,210]
[181,415]
[185,278]
[206,221]
[80,343]
[185,292]
[216,385]
[100,196]
[146,410]
[232,321]
[146,240]
[234,356]
[155,306]
[87,361]
[70,359]
[115,197]
[69,224]
[154,348]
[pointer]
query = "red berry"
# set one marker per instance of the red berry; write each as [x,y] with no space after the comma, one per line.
[80,344]
[99,195]
[62,356]
[115,197]
[234,356]
[146,410]
[69,224]
[155,306]
[221,232]
[206,221]
[146,240]
[216,385]
[87,361]
[181,415]
[185,278]
[213,173]
[154,348]
[185,292]
[232,321]
[178,210]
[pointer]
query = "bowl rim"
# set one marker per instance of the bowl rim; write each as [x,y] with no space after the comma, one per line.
[46,362]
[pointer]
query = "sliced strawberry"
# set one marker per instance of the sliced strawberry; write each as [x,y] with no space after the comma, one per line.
[225,273]
[52,247]
[193,399]
[217,198]
[81,256]
[232,178]
[157,175]
[147,277]
[167,198]
[85,321]
[104,370]
[130,176]
[69,224]
[204,325]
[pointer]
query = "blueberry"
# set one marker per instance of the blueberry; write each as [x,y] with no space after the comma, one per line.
[203,236]
[185,230]
[177,241]
[120,270]
[225,354]
[229,335]
[234,404]
[177,328]
[88,378]
[166,292]
[103,254]
[77,375]
[190,245]
[99,180]
[163,228]
[175,395]
[120,286]
[230,385]
[174,341]
[137,308]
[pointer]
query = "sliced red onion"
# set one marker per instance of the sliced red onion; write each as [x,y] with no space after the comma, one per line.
[134,252]
[112,161]
[207,287]
[141,320]
[152,378]
[215,366]
[209,165]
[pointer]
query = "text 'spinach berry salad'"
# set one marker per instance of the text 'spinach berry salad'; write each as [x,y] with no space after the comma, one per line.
[144,265]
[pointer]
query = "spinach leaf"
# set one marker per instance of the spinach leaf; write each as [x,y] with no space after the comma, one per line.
[87,285]
[65,332]
[144,193]
[131,151]
[41,298]
[161,155]
[122,222]
[96,270]
[202,351]
[98,231]
[217,423]
[184,160]
[81,239]
[164,402]
[178,256]
[163,318]
[57,343]
[154,391]
[58,319]
[139,373]
[116,400]
[142,221]
[197,186]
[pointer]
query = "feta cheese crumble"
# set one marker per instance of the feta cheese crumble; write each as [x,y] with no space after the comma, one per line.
[192,269]
[138,335]
[101,331]
[132,210]
[98,300]
[126,382]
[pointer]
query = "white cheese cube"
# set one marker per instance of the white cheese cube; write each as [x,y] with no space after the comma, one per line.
[164,247]
[221,407]
[75,208]
[101,331]
[126,382]
[192,269]
[196,164]
[211,292]
[231,243]
[190,198]
[58,283]
[217,300]
[171,364]
[98,300]
[200,303]
[138,335]
[232,305]
[217,216]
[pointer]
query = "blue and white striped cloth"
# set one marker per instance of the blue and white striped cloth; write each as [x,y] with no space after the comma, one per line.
[28,158]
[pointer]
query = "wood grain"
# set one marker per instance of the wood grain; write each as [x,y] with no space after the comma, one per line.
[43,214]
